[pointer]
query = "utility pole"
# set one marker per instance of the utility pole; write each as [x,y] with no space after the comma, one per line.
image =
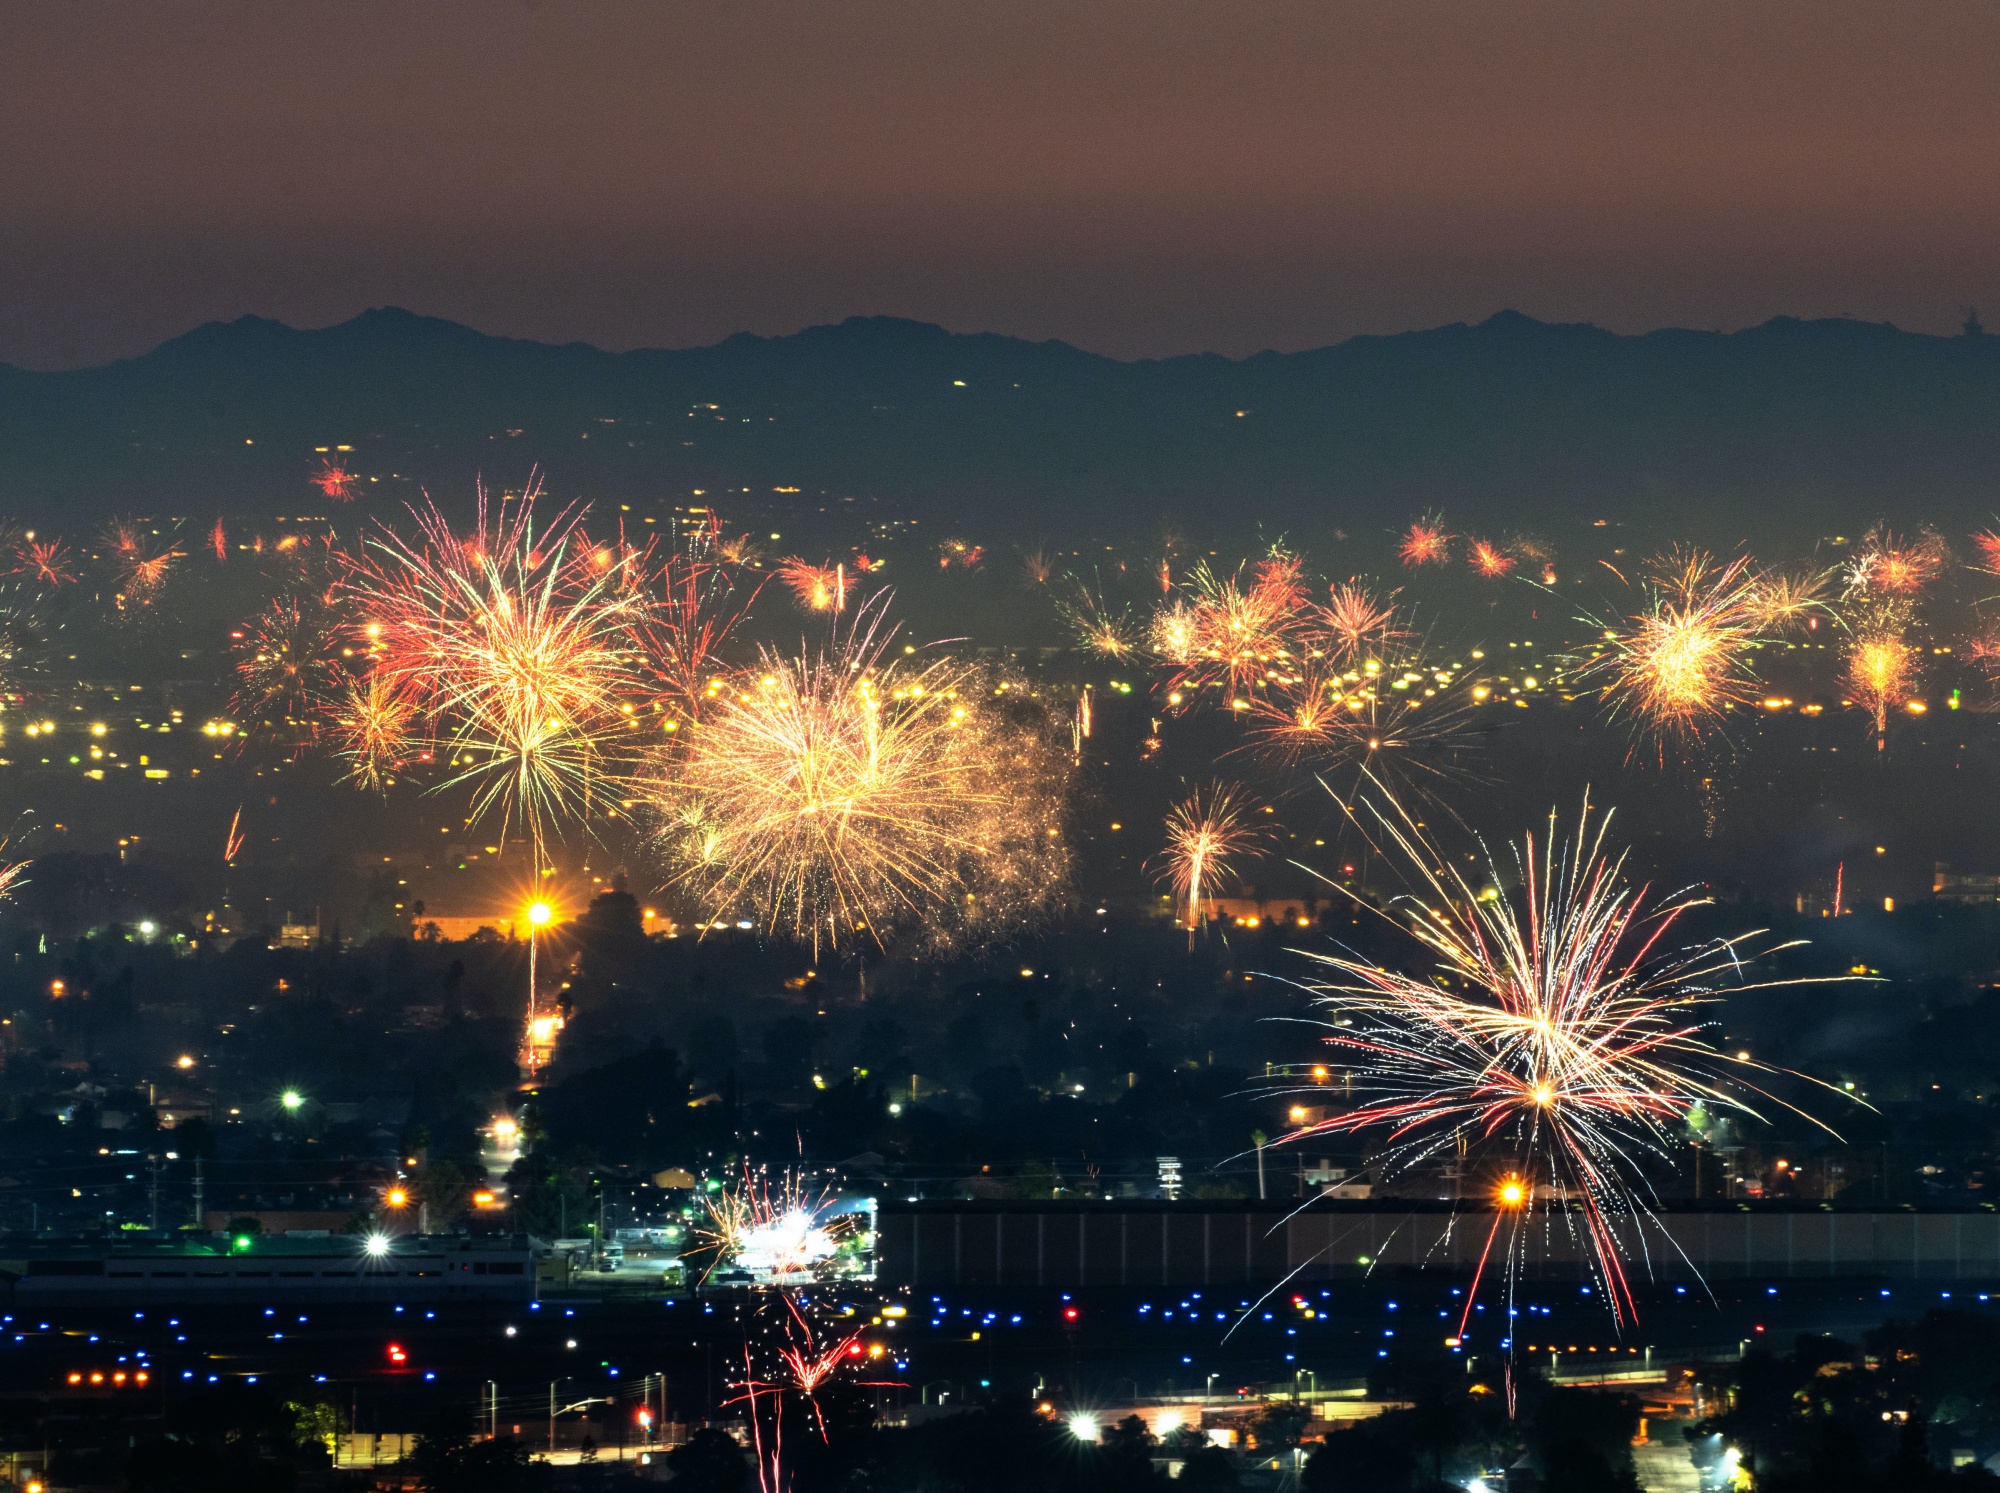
[197,1193]
[552,1420]
[153,1193]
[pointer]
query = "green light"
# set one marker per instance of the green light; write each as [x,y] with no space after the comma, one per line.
[291,1099]
[242,1241]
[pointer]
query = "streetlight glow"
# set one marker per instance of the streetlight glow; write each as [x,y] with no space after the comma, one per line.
[539,913]
[292,1099]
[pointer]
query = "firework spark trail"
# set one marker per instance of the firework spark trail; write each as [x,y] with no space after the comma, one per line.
[26,638]
[848,793]
[232,843]
[517,653]
[1206,836]
[1558,1040]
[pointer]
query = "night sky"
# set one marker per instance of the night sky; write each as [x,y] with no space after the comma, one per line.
[1152,177]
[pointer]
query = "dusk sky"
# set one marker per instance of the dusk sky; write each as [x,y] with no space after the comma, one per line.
[1143,178]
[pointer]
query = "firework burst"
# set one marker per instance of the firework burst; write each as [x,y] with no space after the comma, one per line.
[1100,627]
[335,481]
[517,652]
[48,562]
[288,661]
[1555,1040]
[1206,836]
[1489,560]
[1681,664]
[370,727]
[1425,542]
[1356,620]
[140,561]
[1886,565]
[817,588]
[849,795]
[1881,673]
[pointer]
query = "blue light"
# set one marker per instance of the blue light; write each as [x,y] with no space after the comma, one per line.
[1186,1359]
[1770,1290]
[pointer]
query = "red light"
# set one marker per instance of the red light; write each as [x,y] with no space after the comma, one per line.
[1069,1314]
[396,1353]
[854,1350]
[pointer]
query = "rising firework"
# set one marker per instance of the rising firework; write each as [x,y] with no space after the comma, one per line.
[1206,836]
[1553,1041]
[1425,542]
[1037,566]
[851,795]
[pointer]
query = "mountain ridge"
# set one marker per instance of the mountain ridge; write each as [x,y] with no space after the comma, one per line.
[1511,420]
